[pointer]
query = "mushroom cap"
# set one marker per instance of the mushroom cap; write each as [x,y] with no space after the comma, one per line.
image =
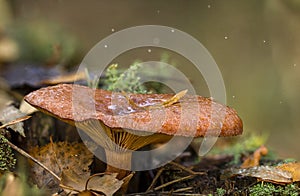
[192,116]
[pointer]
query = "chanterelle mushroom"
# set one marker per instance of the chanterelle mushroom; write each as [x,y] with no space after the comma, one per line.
[132,121]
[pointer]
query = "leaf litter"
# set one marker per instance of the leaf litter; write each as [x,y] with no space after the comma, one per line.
[283,174]
[71,162]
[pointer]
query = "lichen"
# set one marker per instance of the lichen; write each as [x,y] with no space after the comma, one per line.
[7,160]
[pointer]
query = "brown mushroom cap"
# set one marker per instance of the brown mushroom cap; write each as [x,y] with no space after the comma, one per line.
[193,116]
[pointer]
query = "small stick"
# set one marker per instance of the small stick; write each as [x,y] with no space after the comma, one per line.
[186,169]
[183,189]
[22,152]
[15,121]
[174,181]
[155,180]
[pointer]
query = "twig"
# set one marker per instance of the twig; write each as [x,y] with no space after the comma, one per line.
[155,179]
[22,152]
[15,121]
[186,169]
[173,181]
[183,189]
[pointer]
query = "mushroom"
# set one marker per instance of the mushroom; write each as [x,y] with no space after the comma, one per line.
[125,123]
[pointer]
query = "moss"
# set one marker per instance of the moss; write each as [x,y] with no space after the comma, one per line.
[266,188]
[7,160]
[127,81]
[221,191]
[288,160]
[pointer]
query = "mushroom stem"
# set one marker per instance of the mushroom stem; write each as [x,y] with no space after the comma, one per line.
[117,162]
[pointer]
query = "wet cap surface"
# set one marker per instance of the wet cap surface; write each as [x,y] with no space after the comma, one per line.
[192,116]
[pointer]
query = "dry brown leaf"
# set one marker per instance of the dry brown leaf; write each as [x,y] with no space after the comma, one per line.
[293,168]
[106,183]
[266,173]
[73,180]
[59,157]
[253,160]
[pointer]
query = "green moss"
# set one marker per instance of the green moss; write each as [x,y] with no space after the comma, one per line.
[127,81]
[221,191]
[7,160]
[288,160]
[266,188]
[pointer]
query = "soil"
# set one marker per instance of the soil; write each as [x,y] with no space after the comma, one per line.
[213,173]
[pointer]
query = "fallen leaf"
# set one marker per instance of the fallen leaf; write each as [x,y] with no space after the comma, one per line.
[69,178]
[108,184]
[104,183]
[266,173]
[11,113]
[293,168]
[59,157]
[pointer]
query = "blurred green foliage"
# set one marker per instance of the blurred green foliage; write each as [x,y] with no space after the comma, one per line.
[247,143]
[44,42]
[17,185]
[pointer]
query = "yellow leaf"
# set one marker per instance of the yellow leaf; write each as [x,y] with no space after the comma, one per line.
[293,168]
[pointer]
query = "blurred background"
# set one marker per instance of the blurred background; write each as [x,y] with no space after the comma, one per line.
[255,43]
